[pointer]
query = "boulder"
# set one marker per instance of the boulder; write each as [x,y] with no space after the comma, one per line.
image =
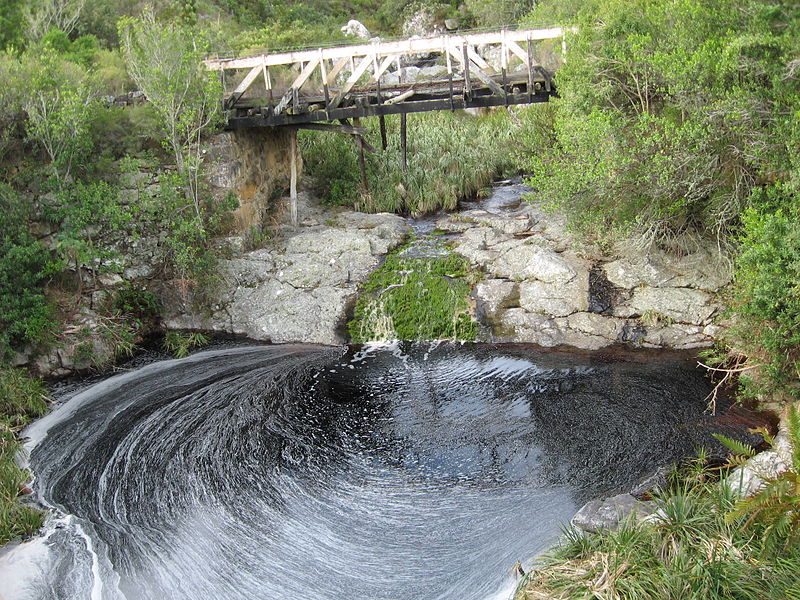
[557,298]
[608,513]
[683,305]
[528,261]
[356,29]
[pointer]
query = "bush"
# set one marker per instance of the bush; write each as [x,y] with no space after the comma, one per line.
[765,301]
[21,399]
[26,317]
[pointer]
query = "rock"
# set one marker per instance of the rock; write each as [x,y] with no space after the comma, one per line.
[422,23]
[452,24]
[627,273]
[608,513]
[496,294]
[683,305]
[658,480]
[356,29]
[299,290]
[594,324]
[518,325]
[110,279]
[532,262]
[748,479]
[557,299]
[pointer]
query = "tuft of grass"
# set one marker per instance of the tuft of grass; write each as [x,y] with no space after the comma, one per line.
[22,399]
[415,299]
[181,343]
[701,547]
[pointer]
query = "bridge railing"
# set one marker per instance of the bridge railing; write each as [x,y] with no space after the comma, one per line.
[340,69]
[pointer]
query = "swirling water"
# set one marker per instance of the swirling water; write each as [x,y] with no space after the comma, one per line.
[405,472]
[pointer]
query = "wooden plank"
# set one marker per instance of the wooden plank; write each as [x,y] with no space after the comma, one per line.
[404,96]
[375,110]
[380,70]
[382,123]
[248,79]
[345,129]
[518,51]
[336,70]
[351,81]
[465,65]
[415,46]
[496,89]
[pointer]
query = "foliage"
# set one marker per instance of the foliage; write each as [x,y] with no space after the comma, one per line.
[773,510]
[415,299]
[165,61]
[477,151]
[26,317]
[765,301]
[21,399]
[41,16]
[181,343]
[668,115]
[10,23]
[132,299]
[58,100]
[700,547]
[88,214]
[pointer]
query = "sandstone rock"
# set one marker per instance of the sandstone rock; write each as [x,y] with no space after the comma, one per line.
[527,261]
[628,273]
[747,479]
[608,513]
[679,304]
[558,298]
[594,324]
[496,294]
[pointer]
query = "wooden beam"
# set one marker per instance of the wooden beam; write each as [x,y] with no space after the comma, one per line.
[346,129]
[410,46]
[381,69]
[478,73]
[340,64]
[400,97]
[351,81]
[293,177]
[403,141]
[248,79]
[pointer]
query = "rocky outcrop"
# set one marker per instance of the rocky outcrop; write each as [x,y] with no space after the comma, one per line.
[607,513]
[749,478]
[541,286]
[300,288]
[253,164]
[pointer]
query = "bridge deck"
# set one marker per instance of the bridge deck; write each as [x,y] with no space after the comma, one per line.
[381,78]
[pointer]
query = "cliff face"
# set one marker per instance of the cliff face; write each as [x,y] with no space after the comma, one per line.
[253,164]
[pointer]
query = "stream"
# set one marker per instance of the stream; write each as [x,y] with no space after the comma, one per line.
[406,471]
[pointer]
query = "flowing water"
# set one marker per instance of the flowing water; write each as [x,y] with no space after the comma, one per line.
[411,471]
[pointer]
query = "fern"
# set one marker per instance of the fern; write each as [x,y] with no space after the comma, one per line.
[738,448]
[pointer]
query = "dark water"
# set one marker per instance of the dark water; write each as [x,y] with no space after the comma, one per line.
[407,472]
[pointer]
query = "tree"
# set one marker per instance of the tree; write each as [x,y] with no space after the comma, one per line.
[59,100]
[165,59]
[43,15]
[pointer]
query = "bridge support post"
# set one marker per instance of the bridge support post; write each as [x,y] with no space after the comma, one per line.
[293,176]
[403,140]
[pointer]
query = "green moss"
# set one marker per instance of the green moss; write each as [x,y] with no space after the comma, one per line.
[415,299]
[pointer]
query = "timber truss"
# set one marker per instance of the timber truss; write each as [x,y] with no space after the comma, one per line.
[446,72]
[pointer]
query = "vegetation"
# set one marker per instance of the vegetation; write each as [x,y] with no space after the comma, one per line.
[706,543]
[21,399]
[477,152]
[415,299]
[181,343]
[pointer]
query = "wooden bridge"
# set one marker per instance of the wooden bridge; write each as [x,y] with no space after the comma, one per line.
[445,72]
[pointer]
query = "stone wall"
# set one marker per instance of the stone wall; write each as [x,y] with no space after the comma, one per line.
[254,164]
[542,286]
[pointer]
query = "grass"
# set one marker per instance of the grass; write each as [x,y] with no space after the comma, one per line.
[701,548]
[415,299]
[21,400]
[450,156]
[181,343]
